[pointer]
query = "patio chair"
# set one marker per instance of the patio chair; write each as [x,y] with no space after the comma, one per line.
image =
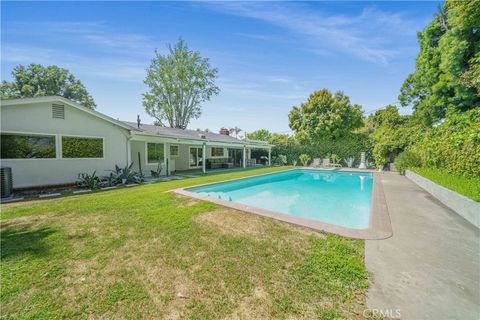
[316,163]
[326,162]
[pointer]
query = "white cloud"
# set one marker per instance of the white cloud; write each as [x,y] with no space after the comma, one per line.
[97,33]
[113,68]
[323,32]
[117,54]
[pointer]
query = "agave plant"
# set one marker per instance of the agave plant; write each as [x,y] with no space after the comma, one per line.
[126,175]
[88,181]
[156,173]
[110,180]
[294,162]
[349,161]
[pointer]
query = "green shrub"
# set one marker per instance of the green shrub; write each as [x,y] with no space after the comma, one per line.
[304,159]
[454,145]
[345,147]
[406,160]
[334,158]
[280,160]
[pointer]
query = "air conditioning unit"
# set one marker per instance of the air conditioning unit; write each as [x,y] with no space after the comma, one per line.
[6,182]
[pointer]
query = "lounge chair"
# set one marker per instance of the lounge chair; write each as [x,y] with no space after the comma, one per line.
[327,164]
[316,163]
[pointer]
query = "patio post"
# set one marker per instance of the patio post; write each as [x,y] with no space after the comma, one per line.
[244,157]
[204,156]
[269,156]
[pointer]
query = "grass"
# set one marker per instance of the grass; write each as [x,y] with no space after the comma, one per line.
[145,253]
[469,187]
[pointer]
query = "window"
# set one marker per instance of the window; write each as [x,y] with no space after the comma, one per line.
[217,152]
[173,151]
[23,146]
[58,111]
[80,147]
[155,152]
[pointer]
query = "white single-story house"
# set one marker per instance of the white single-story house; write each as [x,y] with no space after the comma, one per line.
[50,140]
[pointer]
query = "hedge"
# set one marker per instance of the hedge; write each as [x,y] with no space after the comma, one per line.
[349,146]
[454,145]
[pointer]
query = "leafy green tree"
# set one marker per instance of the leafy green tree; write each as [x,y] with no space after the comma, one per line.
[393,133]
[445,79]
[325,116]
[179,82]
[260,135]
[36,80]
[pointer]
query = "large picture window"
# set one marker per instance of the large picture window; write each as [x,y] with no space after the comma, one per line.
[155,152]
[173,151]
[25,146]
[217,152]
[81,147]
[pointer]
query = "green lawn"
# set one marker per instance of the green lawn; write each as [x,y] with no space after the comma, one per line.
[142,252]
[469,187]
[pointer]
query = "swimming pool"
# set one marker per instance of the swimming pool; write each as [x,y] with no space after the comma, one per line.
[340,198]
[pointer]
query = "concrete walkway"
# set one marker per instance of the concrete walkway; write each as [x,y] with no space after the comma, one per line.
[430,267]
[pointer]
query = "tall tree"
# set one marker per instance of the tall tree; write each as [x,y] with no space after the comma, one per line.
[235,130]
[393,133]
[260,135]
[36,80]
[325,116]
[445,80]
[179,82]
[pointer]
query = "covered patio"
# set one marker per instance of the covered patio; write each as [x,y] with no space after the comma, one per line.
[164,151]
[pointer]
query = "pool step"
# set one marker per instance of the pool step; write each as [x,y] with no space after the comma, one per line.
[219,195]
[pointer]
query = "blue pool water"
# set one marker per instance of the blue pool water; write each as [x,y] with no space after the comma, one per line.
[336,197]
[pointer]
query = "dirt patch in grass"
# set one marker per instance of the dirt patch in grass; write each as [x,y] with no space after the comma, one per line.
[234,222]
[184,202]
[23,222]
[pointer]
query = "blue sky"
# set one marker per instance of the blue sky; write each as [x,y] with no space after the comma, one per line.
[270,55]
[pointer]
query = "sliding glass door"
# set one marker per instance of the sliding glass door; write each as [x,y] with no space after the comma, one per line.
[195,157]
[236,156]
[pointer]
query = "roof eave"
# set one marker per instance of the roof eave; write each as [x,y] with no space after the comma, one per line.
[240,142]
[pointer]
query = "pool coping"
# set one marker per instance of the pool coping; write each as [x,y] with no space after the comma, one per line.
[379,225]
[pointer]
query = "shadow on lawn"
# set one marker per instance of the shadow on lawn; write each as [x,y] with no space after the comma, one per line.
[21,241]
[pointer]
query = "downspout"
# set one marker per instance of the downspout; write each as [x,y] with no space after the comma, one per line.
[128,136]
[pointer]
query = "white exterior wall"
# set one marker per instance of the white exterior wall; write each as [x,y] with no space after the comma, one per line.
[141,147]
[37,118]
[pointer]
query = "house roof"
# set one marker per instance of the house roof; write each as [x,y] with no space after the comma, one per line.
[190,134]
[51,99]
[147,129]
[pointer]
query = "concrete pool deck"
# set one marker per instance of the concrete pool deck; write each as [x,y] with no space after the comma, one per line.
[430,267]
